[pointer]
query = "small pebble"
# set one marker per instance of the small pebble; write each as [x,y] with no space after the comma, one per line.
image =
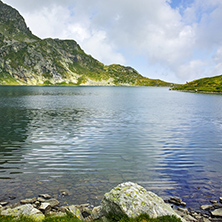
[40,199]
[45,196]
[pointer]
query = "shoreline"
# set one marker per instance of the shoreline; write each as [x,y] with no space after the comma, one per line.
[206,213]
[195,91]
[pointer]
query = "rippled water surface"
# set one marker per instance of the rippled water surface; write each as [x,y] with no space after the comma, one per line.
[89,139]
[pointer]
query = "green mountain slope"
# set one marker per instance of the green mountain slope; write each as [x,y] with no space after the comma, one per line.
[209,84]
[26,59]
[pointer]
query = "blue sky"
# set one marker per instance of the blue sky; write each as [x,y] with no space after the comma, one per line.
[172,40]
[180,3]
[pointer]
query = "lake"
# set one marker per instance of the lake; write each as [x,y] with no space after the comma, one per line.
[89,139]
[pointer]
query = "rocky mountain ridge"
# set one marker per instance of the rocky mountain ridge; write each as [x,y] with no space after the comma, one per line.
[26,59]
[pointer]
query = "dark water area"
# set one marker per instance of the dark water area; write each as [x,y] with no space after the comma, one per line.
[89,139]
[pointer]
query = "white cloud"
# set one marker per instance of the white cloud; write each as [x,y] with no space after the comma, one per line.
[185,41]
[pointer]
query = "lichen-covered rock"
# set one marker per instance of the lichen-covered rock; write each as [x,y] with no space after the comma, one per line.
[133,200]
[26,210]
[97,213]
[75,211]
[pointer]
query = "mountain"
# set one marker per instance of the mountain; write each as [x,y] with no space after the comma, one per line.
[26,59]
[209,84]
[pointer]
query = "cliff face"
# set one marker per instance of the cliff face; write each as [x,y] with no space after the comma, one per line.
[28,60]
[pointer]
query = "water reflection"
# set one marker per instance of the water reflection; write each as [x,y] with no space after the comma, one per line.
[13,133]
[88,139]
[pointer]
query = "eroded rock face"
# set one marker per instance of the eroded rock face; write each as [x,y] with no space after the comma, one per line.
[133,200]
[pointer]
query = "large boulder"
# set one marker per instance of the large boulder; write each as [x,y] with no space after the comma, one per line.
[133,200]
[25,210]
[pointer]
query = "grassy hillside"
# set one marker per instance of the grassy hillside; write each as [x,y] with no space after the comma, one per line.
[209,84]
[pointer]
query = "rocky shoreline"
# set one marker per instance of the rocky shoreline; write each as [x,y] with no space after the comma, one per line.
[45,205]
[196,91]
[210,212]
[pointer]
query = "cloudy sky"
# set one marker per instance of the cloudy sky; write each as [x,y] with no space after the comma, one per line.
[172,40]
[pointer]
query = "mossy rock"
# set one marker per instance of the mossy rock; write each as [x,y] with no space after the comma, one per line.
[133,200]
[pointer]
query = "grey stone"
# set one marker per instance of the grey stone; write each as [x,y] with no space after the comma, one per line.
[28,201]
[205,219]
[175,200]
[45,207]
[64,192]
[198,217]
[217,213]
[45,196]
[183,210]
[220,199]
[97,213]
[213,201]
[75,211]
[189,218]
[132,200]
[64,209]
[206,207]
[3,204]
[217,205]
[40,199]
[53,202]
[183,204]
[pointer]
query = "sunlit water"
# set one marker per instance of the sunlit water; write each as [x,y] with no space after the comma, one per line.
[89,139]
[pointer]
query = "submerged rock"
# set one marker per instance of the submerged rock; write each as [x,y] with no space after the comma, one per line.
[177,201]
[133,200]
[206,207]
[64,192]
[45,196]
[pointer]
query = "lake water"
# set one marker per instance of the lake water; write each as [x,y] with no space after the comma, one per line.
[89,139]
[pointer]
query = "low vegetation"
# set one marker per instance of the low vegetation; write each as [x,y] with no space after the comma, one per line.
[111,218]
[209,84]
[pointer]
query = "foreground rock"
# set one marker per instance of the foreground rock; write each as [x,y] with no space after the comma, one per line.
[133,200]
[26,210]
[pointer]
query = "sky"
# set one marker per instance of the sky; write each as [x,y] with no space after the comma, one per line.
[172,40]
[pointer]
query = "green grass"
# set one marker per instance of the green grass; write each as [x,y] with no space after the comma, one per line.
[141,218]
[67,218]
[6,79]
[209,84]
[111,218]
